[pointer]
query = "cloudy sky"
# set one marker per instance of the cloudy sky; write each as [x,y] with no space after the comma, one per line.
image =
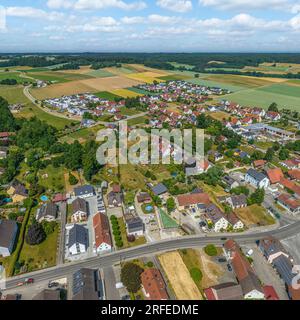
[149,25]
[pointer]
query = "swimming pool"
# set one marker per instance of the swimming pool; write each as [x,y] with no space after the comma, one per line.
[44,198]
[149,208]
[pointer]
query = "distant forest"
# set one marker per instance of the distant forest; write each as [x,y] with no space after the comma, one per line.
[199,61]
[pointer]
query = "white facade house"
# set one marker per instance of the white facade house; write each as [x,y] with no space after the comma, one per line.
[257,179]
[78,240]
[83,192]
[221,224]
[254,295]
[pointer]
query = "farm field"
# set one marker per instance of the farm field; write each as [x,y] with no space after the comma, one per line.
[174,77]
[147,77]
[282,89]
[219,84]
[125,93]
[107,95]
[262,98]
[141,91]
[82,135]
[182,65]
[14,76]
[57,76]
[179,277]
[101,73]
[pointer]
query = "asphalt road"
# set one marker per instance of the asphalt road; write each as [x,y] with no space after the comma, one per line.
[152,248]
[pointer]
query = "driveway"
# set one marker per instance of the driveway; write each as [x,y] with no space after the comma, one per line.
[110,284]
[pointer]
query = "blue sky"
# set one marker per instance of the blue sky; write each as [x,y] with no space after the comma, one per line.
[149,25]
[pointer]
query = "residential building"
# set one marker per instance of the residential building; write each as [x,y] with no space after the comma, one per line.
[8,234]
[215,218]
[84,191]
[47,212]
[270,293]
[87,284]
[192,201]
[289,202]
[245,275]
[153,285]
[230,182]
[257,179]
[275,175]
[259,163]
[234,221]
[134,224]
[79,210]
[159,189]
[224,291]
[17,192]
[272,248]
[114,199]
[144,197]
[294,174]
[237,201]
[78,239]
[103,241]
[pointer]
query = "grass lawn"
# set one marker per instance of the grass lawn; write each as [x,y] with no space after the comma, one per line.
[131,177]
[138,241]
[215,83]
[166,220]
[263,144]
[82,135]
[220,115]
[191,259]
[255,215]
[13,94]
[136,121]
[141,91]
[42,255]
[107,95]
[54,181]
[128,111]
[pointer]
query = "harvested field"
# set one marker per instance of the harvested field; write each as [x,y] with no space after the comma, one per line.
[219,115]
[179,277]
[147,77]
[82,86]
[142,68]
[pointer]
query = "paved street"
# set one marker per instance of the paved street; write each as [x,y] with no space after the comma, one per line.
[153,248]
[62,236]
[110,284]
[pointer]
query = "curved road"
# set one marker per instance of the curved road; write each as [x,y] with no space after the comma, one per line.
[152,248]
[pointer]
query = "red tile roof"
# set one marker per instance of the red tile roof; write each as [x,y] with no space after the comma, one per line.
[259,163]
[294,174]
[101,228]
[289,201]
[154,284]
[116,188]
[192,199]
[275,175]
[290,185]
[270,293]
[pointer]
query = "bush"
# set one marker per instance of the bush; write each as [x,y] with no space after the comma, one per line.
[72,179]
[35,234]
[131,276]
[119,244]
[49,227]
[211,250]
[150,264]
[131,238]
[196,274]
[116,233]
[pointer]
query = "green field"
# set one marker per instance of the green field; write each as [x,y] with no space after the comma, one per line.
[107,95]
[210,83]
[58,77]
[13,75]
[282,89]
[260,97]
[101,73]
[182,65]
[82,134]
[141,91]
[174,77]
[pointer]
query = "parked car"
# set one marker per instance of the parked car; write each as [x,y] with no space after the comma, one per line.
[53,284]
[222,260]
[229,267]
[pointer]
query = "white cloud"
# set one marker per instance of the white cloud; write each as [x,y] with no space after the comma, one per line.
[246,5]
[133,20]
[57,4]
[34,13]
[101,4]
[175,5]
[57,38]
[155,18]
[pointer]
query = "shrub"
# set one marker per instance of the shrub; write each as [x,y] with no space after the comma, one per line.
[211,250]
[35,234]
[72,179]
[196,274]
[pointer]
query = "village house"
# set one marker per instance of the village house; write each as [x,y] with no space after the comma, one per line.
[144,197]
[8,234]
[273,116]
[196,201]
[291,186]
[47,212]
[153,285]
[224,291]
[115,197]
[79,210]
[237,201]
[83,192]
[215,218]
[103,241]
[134,224]
[290,203]
[78,239]
[272,248]
[294,174]
[230,182]
[234,221]
[259,164]
[257,179]
[17,192]
[275,175]
[247,279]
[291,164]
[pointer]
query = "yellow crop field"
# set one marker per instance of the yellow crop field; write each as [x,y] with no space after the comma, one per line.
[147,77]
[126,93]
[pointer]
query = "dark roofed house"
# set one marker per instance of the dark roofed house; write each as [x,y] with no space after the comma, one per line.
[144,197]
[272,248]
[84,191]
[230,182]
[8,233]
[159,189]
[224,291]
[237,201]
[257,179]
[134,225]
[78,239]
[87,285]
[114,199]
[284,267]
[48,212]
[47,294]
[79,210]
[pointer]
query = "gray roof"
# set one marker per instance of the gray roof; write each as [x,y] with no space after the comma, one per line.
[239,200]
[83,190]
[159,189]
[79,205]
[47,294]
[258,176]
[47,209]
[228,291]
[213,213]
[284,267]
[250,283]
[78,234]
[228,180]
[135,224]
[7,233]
[270,246]
[87,285]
